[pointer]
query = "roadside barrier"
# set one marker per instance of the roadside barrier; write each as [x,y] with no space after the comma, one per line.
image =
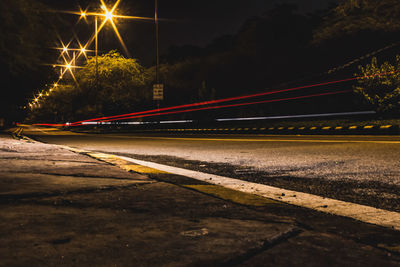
[352,129]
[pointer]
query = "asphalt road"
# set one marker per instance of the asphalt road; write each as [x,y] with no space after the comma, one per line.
[359,169]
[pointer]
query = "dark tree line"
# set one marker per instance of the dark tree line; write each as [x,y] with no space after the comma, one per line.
[26,34]
[281,49]
[285,48]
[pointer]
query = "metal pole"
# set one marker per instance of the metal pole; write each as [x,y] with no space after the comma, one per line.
[96,49]
[157,48]
[74,61]
[157,41]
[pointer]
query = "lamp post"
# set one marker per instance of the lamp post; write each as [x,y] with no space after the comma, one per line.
[158,88]
[157,42]
[96,52]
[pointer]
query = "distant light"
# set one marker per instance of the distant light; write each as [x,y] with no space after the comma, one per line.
[68,66]
[83,50]
[83,14]
[65,49]
[55,84]
[40,94]
[109,15]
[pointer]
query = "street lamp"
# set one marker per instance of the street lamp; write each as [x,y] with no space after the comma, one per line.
[157,41]
[109,16]
[158,89]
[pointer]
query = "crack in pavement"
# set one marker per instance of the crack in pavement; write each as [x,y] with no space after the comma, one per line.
[263,246]
[8,198]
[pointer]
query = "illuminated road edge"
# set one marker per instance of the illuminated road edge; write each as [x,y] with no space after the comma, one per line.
[358,212]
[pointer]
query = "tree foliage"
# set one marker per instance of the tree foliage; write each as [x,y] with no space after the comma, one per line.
[353,16]
[122,86]
[381,86]
[24,31]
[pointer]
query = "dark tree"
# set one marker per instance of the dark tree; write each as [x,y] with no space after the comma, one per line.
[25,37]
[354,16]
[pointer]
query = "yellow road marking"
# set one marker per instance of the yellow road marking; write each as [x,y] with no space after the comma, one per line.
[386,126]
[140,169]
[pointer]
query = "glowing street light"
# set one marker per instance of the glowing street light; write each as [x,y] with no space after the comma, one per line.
[109,15]
[106,15]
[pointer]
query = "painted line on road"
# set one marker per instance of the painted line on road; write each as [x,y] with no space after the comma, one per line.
[358,212]
[118,161]
[140,169]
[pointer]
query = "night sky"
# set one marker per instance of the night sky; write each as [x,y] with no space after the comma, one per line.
[186,22]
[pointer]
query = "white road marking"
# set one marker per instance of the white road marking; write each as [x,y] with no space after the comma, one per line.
[358,212]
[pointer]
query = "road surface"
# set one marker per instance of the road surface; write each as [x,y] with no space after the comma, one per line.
[358,169]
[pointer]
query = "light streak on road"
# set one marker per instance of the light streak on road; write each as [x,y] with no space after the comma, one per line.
[231,105]
[206,108]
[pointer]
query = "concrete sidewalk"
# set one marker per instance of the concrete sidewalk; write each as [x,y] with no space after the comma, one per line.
[58,207]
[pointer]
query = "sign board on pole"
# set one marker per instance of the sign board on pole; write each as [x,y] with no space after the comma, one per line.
[158,91]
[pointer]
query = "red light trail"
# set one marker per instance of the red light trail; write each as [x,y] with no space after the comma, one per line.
[157,112]
[203,108]
[227,106]
[216,101]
